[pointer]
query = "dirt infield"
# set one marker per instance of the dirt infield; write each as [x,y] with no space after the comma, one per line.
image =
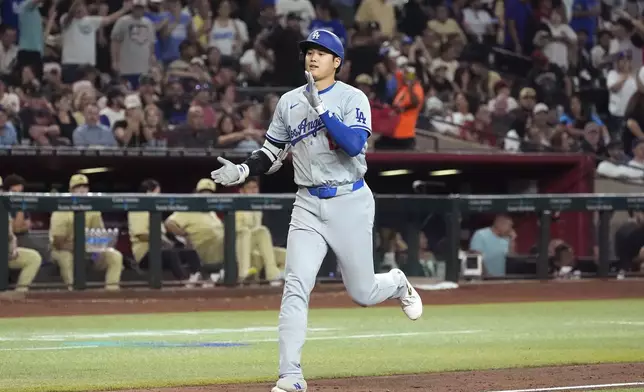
[489,380]
[329,295]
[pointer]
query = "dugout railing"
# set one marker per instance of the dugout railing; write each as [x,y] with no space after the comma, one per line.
[411,208]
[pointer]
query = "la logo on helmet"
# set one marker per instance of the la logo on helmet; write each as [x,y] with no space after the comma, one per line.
[315,35]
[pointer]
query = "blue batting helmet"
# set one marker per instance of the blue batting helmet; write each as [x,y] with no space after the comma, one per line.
[325,39]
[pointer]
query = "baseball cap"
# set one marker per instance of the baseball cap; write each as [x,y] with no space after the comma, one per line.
[540,108]
[206,184]
[78,180]
[364,79]
[132,101]
[527,92]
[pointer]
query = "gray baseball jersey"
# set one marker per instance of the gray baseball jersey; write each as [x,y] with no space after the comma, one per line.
[343,223]
[316,159]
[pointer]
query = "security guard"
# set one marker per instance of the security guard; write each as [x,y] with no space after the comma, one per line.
[204,230]
[61,238]
[26,260]
[255,242]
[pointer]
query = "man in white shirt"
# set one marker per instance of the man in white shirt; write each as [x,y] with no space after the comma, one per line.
[78,31]
[562,38]
[633,170]
[8,49]
[477,21]
[302,8]
[256,61]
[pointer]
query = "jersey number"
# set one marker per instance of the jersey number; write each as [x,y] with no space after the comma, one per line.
[360,117]
[332,145]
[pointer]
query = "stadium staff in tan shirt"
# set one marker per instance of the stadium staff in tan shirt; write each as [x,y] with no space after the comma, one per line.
[204,230]
[255,242]
[61,238]
[26,260]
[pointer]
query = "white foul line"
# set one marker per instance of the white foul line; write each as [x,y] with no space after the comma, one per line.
[271,340]
[585,387]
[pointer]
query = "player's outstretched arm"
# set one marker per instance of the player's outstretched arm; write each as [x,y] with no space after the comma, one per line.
[351,138]
[266,160]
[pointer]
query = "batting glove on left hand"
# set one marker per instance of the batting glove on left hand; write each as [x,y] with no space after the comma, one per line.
[311,94]
[229,174]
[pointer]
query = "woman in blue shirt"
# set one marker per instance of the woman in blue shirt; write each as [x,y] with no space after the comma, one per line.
[577,116]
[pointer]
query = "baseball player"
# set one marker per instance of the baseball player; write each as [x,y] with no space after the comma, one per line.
[326,123]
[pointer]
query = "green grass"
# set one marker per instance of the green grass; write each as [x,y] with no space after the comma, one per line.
[446,338]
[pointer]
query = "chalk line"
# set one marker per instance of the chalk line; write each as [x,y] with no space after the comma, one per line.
[274,340]
[576,387]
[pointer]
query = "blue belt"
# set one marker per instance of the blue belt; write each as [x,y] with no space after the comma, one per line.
[327,192]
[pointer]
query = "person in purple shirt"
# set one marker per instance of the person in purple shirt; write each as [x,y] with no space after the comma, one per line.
[327,18]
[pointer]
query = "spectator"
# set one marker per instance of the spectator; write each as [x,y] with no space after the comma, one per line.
[61,237]
[539,132]
[202,22]
[203,99]
[578,115]
[444,87]
[193,133]
[79,37]
[635,168]
[613,167]
[447,28]
[408,102]
[237,140]
[466,84]
[8,49]
[147,90]
[621,86]
[83,98]
[254,241]
[92,133]
[601,54]
[154,126]
[113,112]
[174,107]
[8,134]
[31,42]
[132,47]
[519,22]
[502,103]
[561,142]
[551,84]
[584,17]
[379,11]
[63,114]
[363,53]
[448,59]
[38,122]
[174,26]
[495,243]
[624,35]
[562,39]
[592,142]
[283,41]
[9,100]
[461,114]
[257,62]
[478,22]
[634,122]
[302,9]
[130,132]
[327,18]
[227,34]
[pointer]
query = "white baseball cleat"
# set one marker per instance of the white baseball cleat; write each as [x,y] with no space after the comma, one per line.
[289,384]
[410,302]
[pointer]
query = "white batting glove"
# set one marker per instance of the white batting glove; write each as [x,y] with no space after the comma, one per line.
[311,94]
[229,174]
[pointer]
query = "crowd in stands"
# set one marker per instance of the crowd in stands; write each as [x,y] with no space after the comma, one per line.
[521,75]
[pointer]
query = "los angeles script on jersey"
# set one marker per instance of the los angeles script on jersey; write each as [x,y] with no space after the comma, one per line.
[304,129]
